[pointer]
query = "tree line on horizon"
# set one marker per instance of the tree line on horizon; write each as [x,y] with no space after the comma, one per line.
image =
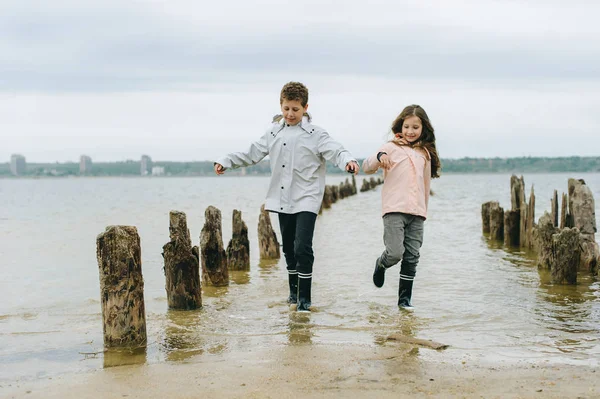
[205,168]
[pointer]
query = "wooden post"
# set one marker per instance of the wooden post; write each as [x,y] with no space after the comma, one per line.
[238,249]
[327,198]
[485,215]
[542,234]
[511,227]
[554,208]
[496,222]
[566,253]
[564,210]
[353,185]
[335,193]
[517,192]
[214,260]
[121,287]
[530,219]
[522,206]
[373,183]
[366,186]
[267,239]
[582,206]
[182,266]
[583,210]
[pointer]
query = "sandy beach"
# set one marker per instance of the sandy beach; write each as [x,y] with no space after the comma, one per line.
[393,370]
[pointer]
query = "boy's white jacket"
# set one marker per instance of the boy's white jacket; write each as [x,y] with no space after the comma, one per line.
[297,155]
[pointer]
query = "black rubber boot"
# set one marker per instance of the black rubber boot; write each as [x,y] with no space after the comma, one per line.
[293,280]
[405,294]
[304,294]
[378,274]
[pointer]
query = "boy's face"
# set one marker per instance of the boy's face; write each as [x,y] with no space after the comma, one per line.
[412,129]
[292,111]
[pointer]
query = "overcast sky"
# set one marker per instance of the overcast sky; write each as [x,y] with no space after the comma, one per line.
[191,80]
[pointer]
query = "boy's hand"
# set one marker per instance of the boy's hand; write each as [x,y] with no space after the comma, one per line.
[219,169]
[352,167]
[385,161]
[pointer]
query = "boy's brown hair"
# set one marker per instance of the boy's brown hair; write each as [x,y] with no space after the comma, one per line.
[294,91]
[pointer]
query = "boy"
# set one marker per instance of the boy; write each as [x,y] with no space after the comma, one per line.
[298,152]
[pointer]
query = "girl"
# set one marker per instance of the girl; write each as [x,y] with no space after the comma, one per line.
[409,161]
[298,151]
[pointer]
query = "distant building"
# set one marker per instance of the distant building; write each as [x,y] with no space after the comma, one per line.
[158,170]
[85,165]
[146,165]
[18,166]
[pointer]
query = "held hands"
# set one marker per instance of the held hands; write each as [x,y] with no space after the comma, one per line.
[219,169]
[352,167]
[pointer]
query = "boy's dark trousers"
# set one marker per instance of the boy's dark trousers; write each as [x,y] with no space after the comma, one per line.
[297,231]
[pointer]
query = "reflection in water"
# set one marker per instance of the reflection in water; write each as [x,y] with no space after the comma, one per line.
[564,308]
[124,357]
[404,323]
[182,334]
[239,276]
[214,292]
[268,267]
[300,328]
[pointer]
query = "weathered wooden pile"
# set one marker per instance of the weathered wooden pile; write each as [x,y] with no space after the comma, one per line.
[334,193]
[565,244]
[370,184]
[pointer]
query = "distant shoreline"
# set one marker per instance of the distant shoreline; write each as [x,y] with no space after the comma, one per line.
[132,168]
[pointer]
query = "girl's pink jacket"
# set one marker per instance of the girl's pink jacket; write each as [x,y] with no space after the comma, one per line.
[406,184]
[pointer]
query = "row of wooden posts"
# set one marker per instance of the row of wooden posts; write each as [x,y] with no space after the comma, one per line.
[564,241]
[119,260]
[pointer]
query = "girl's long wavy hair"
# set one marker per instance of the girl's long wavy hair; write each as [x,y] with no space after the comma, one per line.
[427,139]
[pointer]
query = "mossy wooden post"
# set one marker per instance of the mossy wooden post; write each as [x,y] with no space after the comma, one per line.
[121,287]
[564,210]
[327,198]
[212,253]
[542,234]
[485,215]
[530,221]
[517,192]
[582,207]
[554,208]
[335,194]
[511,227]
[353,185]
[238,249]
[366,186]
[496,222]
[565,256]
[182,266]
[267,239]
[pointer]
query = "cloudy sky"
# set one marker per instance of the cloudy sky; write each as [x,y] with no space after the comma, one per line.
[190,80]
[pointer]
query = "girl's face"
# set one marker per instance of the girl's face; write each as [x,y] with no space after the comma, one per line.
[292,111]
[412,129]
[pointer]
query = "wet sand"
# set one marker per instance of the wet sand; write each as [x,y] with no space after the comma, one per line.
[393,370]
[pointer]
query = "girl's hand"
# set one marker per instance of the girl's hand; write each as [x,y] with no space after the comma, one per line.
[385,161]
[219,169]
[400,140]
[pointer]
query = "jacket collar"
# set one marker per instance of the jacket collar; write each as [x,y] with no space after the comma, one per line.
[304,123]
